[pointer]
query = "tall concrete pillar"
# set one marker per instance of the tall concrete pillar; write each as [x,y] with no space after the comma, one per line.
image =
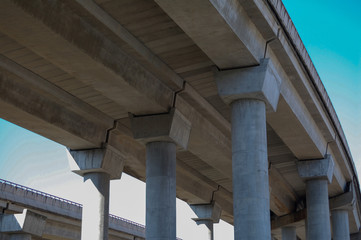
[250,92]
[23,226]
[97,166]
[317,174]
[341,206]
[207,215]
[161,190]
[340,224]
[289,233]
[161,134]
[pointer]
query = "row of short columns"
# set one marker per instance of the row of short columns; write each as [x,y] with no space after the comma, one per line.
[251,93]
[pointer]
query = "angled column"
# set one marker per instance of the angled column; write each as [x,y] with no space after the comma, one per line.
[340,207]
[289,233]
[317,174]
[23,226]
[207,215]
[250,92]
[97,166]
[161,133]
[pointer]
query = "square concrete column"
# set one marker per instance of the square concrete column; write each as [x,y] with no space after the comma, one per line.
[97,166]
[317,174]
[23,226]
[250,92]
[340,207]
[161,134]
[207,215]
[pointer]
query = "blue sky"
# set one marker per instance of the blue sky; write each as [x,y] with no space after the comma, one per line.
[331,32]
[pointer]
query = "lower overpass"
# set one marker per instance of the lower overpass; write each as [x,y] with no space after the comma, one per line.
[33,214]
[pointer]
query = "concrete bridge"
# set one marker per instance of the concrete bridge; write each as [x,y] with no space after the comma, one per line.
[31,214]
[215,102]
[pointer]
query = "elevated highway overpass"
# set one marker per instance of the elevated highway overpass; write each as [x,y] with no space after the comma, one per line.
[199,83]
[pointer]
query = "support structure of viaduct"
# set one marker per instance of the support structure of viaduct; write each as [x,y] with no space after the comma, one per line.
[216,102]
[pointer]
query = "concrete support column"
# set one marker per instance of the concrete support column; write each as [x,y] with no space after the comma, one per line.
[160,190]
[207,215]
[317,174]
[250,92]
[340,224]
[161,134]
[250,170]
[341,206]
[289,233]
[95,216]
[97,166]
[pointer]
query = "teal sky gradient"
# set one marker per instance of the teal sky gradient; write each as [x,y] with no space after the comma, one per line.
[331,32]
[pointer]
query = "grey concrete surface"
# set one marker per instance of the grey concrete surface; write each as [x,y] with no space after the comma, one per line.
[207,215]
[318,212]
[171,127]
[340,224]
[319,168]
[250,170]
[289,233]
[161,191]
[27,222]
[95,217]
[106,159]
[261,82]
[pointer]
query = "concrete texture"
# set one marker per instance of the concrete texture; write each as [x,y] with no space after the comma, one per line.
[95,218]
[261,82]
[320,169]
[250,170]
[289,233]
[27,222]
[211,212]
[172,126]
[107,159]
[340,225]
[318,212]
[207,215]
[161,191]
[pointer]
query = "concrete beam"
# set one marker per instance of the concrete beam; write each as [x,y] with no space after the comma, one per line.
[172,126]
[27,222]
[211,212]
[28,107]
[316,169]
[107,159]
[235,41]
[55,40]
[261,82]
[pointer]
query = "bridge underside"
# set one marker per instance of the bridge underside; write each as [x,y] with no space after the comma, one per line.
[73,71]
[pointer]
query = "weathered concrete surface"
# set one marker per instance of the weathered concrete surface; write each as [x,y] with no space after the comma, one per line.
[95,217]
[250,170]
[340,225]
[63,217]
[207,215]
[172,126]
[261,82]
[317,169]
[161,191]
[108,160]
[318,211]
[27,222]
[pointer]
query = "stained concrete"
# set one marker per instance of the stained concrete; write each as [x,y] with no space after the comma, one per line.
[161,191]
[340,224]
[250,170]
[289,233]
